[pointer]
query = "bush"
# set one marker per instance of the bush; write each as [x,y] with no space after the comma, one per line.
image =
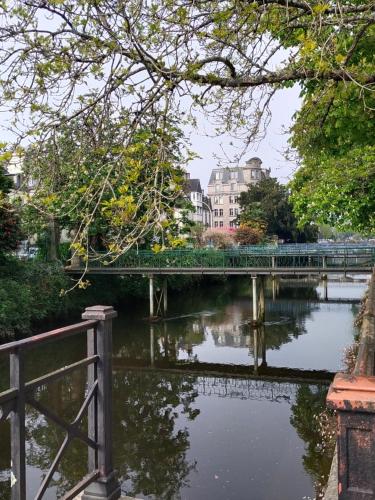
[219,238]
[246,235]
[29,291]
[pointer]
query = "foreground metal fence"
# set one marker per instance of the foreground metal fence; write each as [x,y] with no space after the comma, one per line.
[100,480]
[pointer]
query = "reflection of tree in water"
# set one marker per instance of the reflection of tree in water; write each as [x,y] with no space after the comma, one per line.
[150,452]
[310,402]
[44,438]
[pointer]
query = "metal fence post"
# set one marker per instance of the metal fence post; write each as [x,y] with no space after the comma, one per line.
[106,486]
[17,426]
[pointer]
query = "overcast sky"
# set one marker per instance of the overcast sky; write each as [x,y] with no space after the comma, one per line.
[285,103]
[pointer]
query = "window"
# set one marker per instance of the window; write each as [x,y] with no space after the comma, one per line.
[231,211]
[221,200]
[216,212]
[216,223]
[218,176]
[216,200]
[231,199]
[236,199]
[232,223]
[236,211]
[232,187]
[221,224]
[221,212]
[234,174]
[217,188]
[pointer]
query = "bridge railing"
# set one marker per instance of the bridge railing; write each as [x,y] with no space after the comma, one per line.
[353,397]
[246,257]
[97,405]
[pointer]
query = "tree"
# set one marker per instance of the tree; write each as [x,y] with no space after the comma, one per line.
[108,192]
[10,230]
[247,235]
[334,136]
[267,205]
[61,60]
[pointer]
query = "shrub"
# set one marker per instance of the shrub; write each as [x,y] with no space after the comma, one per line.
[219,238]
[246,235]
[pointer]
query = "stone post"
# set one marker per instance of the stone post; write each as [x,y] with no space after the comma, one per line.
[106,487]
[353,397]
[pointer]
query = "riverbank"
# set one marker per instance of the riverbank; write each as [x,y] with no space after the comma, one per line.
[32,292]
[362,365]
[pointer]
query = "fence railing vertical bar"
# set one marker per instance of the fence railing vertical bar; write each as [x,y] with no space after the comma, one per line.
[17,425]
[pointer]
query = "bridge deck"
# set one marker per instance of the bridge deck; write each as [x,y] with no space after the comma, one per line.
[284,271]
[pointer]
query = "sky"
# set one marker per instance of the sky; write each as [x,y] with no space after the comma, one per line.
[270,150]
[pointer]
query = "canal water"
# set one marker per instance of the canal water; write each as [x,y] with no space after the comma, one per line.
[205,406]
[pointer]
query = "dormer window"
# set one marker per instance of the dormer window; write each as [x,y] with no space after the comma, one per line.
[234,174]
[218,176]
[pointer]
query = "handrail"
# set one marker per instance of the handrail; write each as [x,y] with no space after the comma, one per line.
[57,334]
[100,481]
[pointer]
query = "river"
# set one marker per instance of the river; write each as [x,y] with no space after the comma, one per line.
[205,406]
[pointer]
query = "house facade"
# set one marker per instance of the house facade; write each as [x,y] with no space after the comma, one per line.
[226,185]
[201,203]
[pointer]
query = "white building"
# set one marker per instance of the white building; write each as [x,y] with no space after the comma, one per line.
[202,211]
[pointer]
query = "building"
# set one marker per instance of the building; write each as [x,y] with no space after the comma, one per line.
[226,185]
[14,170]
[201,212]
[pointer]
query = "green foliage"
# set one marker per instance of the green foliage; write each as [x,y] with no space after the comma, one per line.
[334,135]
[29,292]
[267,205]
[338,191]
[108,191]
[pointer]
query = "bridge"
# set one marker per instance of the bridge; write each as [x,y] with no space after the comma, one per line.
[255,260]
[292,259]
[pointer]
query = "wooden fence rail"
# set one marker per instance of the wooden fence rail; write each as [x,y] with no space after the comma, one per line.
[100,482]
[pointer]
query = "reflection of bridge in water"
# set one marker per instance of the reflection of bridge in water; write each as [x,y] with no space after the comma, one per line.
[258,390]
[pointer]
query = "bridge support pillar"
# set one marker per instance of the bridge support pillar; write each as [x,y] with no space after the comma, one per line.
[165,296]
[262,302]
[325,288]
[151,295]
[274,287]
[264,346]
[255,350]
[152,345]
[255,301]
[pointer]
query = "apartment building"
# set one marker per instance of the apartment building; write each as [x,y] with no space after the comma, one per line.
[225,186]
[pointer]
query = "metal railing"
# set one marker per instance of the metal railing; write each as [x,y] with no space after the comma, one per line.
[285,256]
[353,397]
[97,404]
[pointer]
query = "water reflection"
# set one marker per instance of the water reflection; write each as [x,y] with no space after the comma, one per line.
[195,436]
[151,450]
[223,334]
